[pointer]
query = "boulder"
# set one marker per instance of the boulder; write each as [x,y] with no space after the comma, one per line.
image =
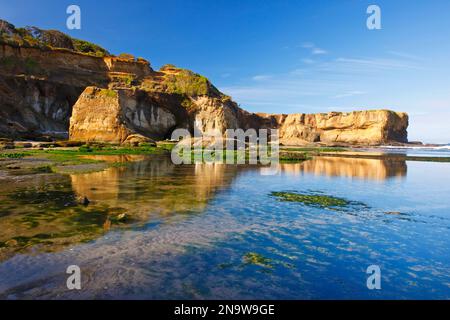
[118,116]
[137,140]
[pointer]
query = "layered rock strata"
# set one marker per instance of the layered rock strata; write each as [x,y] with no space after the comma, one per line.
[52,84]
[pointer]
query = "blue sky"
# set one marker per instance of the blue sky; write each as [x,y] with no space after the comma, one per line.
[283,56]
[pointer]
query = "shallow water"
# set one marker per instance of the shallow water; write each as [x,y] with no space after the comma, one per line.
[426,151]
[153,230]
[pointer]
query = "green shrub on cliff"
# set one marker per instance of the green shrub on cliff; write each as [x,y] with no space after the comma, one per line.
[108,93]
[127,56]
[89,48]
[36,37]
[187,82]
[168,66]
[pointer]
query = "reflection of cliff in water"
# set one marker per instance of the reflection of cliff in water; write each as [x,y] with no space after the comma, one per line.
[155,185]
[373,169]
[46,214]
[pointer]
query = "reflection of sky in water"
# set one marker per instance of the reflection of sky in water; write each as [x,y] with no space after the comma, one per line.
[437,151]
[313,252]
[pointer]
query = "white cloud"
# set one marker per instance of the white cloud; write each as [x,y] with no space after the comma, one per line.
[298,72]
[404,55]
[371,64]
[308,45]
[308,61]
[319,51]
[315,50]
[261,77]
[349,94]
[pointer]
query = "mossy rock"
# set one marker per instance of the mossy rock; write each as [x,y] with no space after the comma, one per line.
[253,258]
[294,156]
[312,200]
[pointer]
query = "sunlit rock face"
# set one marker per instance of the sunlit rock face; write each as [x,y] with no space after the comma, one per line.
[213,115]
[373,127]
[38,88]
[45,80]
[113,115]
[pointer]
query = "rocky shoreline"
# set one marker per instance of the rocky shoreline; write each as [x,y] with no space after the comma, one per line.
[52,83]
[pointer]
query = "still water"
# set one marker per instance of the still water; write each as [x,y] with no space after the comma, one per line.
[153,230]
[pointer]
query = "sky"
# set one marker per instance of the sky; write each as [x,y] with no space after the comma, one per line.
[282,56]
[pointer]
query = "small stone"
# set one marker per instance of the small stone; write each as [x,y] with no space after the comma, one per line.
[11,243]
[84,201]
[23,144]
[393,212]
[107,225]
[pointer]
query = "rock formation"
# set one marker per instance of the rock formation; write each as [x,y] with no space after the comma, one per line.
[51,83]
[358,127]
[118,115]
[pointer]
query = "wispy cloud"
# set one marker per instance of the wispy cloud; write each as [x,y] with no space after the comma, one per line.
[308,61]
[298,72]
[261,77]
[371,64]
[404,55]
[315,50]
[319,51]
[328,84]
[349,94]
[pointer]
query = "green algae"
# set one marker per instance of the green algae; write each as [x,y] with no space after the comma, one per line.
[253,258]
[12,155]
[294,156]
[312,200]
[315,149]
[52,230]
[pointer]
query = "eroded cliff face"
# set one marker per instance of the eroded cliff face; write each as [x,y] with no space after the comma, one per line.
[115,115]
[38,88]
[372,127]
[97,97]
[42,74]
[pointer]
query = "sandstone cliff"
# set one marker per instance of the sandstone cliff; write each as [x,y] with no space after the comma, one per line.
[359,127]
[51,83]
[114,115]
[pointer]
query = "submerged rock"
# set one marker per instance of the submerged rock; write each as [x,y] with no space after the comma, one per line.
[253,258]
[315,200]
[84,201]
[138,139]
